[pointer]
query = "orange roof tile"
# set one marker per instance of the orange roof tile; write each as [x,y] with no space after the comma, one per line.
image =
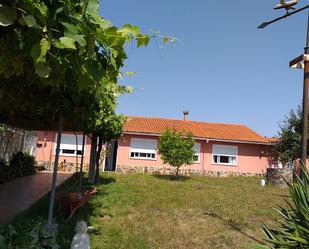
[272,139]
[216,131]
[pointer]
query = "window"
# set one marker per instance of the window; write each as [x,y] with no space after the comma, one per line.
[197,151]
[224,154]
[143,149]
[68,145]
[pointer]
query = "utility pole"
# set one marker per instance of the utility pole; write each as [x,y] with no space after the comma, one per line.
[296,63]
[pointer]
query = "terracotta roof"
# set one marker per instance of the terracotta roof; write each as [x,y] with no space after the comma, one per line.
[216,131]
[272,139]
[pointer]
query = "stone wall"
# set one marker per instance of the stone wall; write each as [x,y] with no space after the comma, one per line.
[63,166]
[165,170]
[279,176]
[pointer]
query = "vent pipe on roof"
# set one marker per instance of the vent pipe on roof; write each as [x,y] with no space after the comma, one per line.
[185,115]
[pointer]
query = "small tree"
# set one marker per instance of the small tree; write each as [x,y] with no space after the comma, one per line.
[176,148]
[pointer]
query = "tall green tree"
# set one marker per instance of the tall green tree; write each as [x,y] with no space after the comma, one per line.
[58,56]
[176,148]
[288,147]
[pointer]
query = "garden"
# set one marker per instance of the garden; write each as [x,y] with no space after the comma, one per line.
[153,211]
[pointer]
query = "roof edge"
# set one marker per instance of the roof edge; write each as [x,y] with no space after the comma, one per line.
[204,139]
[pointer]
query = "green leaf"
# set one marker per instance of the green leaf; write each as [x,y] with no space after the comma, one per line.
[165,40]
[30,21]
[142,40]
[42,71]
[67,42]
[45,46]
[130,74]
[39,51]
[127,30]
[7,15]
[105,24]
[93,6]
[80,39]
[69,28]
[129,89]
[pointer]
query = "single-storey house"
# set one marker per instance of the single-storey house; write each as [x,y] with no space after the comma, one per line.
[220,149]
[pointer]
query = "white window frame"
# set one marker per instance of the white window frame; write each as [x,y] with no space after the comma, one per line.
[197,152]
[70,146]
[141,150]
[227,155]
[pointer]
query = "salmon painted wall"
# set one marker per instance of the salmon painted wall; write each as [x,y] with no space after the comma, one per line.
[47,144]
[123,154]
[251,157]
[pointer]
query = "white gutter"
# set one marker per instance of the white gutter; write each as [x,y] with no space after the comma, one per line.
[204,139]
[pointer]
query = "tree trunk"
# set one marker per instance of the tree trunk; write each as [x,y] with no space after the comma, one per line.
[22,144]
[177,170]
[97,172]
[93,150]
[7,144]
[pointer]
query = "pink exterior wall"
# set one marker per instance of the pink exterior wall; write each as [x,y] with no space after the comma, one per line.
[47,144]
[251,157]
[123,154]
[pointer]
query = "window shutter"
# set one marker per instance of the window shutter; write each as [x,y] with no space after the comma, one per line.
[224,150]
[143,145]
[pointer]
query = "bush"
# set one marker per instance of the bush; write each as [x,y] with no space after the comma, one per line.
[27,236]
[5,172]
[293,232]
[22,164]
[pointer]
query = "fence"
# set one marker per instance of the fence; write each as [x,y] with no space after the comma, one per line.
[14,139]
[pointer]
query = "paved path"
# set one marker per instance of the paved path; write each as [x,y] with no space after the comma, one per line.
[18,195]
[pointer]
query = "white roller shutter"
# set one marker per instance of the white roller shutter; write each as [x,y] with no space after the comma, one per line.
[68,142]
[224,150]
[143,145]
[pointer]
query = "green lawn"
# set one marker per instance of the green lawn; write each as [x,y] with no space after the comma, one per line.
[144,211]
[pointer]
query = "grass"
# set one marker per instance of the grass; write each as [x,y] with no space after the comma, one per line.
[142,211]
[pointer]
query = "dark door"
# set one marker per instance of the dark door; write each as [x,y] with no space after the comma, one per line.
[111,156]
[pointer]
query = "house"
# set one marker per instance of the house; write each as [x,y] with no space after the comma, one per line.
[220,149]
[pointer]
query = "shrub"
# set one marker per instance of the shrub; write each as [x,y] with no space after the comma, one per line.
[5,173]
[22,164]
[293,232]
[176,148]
[27,236]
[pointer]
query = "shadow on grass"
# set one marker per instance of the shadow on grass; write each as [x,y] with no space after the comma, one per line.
[172,177]
[66,228]
[233,226]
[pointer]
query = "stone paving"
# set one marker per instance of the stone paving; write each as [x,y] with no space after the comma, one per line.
[18,195]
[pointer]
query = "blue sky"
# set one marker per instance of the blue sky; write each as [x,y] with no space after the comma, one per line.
[224,70]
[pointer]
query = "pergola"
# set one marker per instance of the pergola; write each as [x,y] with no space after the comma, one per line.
[56,118]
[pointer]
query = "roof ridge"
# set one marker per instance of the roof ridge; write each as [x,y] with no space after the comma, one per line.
[193,121]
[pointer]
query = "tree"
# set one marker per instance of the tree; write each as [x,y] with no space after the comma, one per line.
[61,58]
[289,145]
[176,148]
[111,129]
[293,232]
[58,57]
